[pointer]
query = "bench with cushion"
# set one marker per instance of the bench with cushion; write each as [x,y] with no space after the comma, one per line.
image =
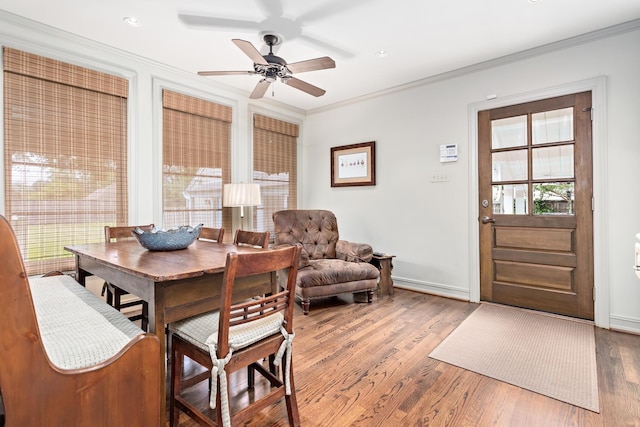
[68,358]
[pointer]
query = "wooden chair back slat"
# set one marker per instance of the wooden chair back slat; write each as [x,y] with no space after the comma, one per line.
[122,232]
[240,265]
[214,234]
[258,308]
[258,239]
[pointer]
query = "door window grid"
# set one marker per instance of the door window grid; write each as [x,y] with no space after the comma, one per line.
[528,177]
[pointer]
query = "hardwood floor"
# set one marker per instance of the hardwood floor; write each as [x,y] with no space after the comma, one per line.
[367,365]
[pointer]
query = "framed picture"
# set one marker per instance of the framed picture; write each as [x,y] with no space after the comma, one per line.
[353,165]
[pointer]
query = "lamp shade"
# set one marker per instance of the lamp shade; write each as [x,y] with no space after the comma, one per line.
[241,194]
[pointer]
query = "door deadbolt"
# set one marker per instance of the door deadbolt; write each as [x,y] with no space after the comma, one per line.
[485,203]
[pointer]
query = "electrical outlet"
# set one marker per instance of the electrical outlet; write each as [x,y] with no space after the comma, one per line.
[439,176]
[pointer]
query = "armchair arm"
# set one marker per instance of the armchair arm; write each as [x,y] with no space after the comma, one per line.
[353,252]
[304,256]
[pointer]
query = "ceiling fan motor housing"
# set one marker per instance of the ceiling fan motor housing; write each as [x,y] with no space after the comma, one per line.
[277,65]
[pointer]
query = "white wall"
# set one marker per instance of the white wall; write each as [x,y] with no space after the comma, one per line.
[430,227]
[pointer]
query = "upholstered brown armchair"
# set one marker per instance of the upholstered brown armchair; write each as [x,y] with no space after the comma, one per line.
[328,266]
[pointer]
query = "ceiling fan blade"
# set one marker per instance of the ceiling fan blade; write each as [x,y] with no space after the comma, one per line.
[312,65]
[329,9]
[271,8]
[224,73]
[324,46]
[251,51]
[211,22]
[260,89]
[304,86]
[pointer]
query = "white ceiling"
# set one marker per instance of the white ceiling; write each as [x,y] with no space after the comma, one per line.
[423,38]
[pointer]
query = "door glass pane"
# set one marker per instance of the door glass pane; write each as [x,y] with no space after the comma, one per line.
[553,198]
[552,126]
[509,132]
[509,165]
[510,199]
[553,162]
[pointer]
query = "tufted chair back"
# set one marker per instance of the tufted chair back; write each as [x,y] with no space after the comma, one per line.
[316,230]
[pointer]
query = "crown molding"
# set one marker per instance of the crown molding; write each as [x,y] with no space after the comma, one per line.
[507,59]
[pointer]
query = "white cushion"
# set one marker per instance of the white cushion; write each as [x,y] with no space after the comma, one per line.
[78,329]
[202,329]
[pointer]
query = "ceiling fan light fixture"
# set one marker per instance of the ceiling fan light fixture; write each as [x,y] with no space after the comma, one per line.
[271,75]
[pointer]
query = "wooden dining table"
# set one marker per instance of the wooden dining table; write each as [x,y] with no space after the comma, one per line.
[175,284]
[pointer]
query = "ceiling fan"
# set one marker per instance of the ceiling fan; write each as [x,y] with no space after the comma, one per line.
[270,67]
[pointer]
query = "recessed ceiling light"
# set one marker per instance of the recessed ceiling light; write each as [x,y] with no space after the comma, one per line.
[382,53]
[535,1]
[133,21]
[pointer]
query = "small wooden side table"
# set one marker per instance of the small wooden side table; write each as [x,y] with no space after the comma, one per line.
[385,265]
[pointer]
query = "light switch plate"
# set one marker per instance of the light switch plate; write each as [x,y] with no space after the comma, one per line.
[439,176]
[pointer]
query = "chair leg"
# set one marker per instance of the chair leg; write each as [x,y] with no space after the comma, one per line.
[109,295]
[145,317]
[219,402]
[272,365]
[251,372]
[292,402]
[117,299]
[370,296]
[251,377]
[177,362]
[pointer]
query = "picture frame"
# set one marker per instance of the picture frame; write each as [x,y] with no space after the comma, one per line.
[353,165]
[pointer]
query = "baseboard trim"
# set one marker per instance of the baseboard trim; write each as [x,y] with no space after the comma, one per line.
[624,324]
[431,288]
[616,323]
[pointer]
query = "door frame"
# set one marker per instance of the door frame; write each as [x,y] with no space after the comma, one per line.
[598,89]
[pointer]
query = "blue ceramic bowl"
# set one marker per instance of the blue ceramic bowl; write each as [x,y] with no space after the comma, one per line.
[167,240]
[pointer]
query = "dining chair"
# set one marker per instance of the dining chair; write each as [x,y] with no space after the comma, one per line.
[234,337]
[114,293]
[213,234]
[258,239]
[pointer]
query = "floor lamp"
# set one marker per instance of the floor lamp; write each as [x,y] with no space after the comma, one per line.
[241,195]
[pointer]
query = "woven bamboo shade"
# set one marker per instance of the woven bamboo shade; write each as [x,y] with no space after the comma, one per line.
[274,167]
[65,156]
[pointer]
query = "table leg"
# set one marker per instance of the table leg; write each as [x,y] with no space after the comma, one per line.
[157,327]
[80,274]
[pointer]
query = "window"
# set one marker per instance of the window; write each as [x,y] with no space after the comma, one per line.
[274,168]
[65,154]
[196,141]
[542,168]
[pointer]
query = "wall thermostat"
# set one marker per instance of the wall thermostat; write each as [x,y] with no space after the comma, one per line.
[448,153]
